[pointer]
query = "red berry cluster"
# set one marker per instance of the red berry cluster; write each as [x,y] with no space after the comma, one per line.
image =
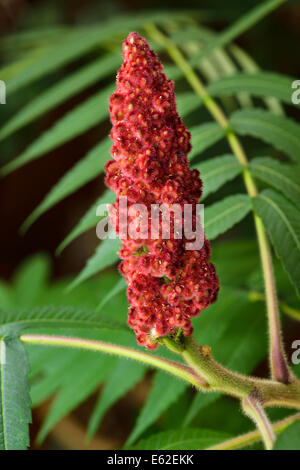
[167,284]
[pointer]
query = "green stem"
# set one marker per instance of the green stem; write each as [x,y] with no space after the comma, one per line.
[254,410]
[221,379]
[278,363]
[253,436]
[179,370]
[204,372]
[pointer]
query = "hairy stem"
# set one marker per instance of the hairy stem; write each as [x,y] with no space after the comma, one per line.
[221,379]
[203,371]
[179,370]
[278,363]
[254,436]
[254,410]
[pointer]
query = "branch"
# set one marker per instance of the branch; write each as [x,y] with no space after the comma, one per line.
[221,379]
[179,370]
[204,372]
[253,436]
[254,410]
[278,363]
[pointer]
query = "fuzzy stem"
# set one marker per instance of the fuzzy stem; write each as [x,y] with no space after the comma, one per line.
[221,379]
[278,363]
[254,410]
[204,372]
[254,436]
[179,370]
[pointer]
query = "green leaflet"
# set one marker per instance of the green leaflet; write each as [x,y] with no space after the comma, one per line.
[258,84]
[74,123]
[30,281]
[165,391]
[125,375]
[61,92]
[204,136]
[183,439]
[221,216]
[15,413]
[79,381]
[75,43]
[247,63]
[51,374]
[186,103]
[59,317]
[70,47]
[89,220]
[278,131]
[105,255]
[217,171]
[284,178]
[81,173]
[118,287]
[282,221]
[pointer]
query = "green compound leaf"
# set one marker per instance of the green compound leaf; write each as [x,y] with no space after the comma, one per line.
[282,221]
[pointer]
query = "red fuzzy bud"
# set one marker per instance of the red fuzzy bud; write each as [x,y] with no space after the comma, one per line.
[167,284]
